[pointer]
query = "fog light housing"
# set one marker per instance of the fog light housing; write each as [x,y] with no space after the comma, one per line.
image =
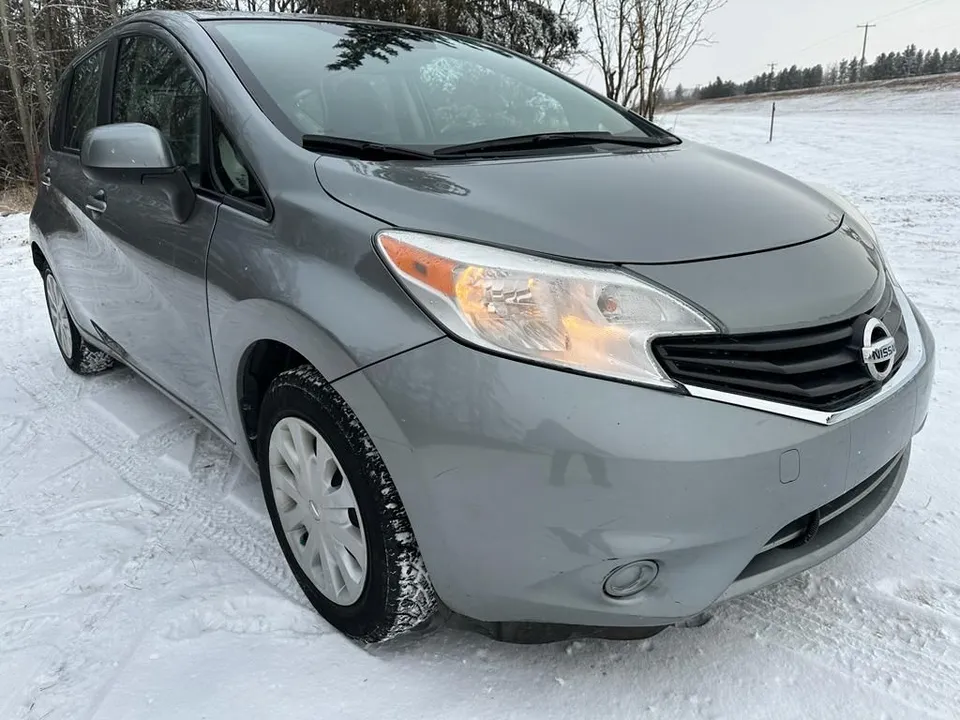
[630,579]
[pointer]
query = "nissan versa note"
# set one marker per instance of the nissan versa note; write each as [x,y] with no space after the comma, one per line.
[494,343]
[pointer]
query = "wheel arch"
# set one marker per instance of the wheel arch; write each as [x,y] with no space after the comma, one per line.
[263,361]
[39,259]
[253,342]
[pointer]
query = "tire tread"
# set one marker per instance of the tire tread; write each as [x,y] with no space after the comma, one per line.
[410,597]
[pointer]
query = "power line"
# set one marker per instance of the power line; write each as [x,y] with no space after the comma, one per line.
[911,6]
[822,42]
[872,23]
[904,9]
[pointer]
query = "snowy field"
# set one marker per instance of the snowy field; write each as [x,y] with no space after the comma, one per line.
[139,577]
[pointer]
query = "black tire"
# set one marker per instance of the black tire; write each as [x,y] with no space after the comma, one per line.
[79,355]
[397,596]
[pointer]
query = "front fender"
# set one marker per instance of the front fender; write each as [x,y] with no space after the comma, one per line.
[311,281]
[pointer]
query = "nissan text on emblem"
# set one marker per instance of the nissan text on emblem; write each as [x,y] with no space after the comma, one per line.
[879,349]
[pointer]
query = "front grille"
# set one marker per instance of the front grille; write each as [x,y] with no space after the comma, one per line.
[818,368]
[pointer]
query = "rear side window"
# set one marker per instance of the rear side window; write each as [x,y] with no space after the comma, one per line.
[155,87]
[83,100]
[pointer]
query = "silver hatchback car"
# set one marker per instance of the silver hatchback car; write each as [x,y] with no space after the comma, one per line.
[493,342]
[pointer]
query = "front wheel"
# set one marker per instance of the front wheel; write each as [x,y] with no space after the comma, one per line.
[336,512]
[79,355]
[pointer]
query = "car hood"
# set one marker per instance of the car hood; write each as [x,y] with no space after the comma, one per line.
[687,202]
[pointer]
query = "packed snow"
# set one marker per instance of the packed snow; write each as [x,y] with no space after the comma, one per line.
[139,577]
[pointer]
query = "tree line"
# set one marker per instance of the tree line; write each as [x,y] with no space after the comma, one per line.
[39,38]
[634,44]
[909,62]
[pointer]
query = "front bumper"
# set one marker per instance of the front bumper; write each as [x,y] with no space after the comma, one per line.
[526,486]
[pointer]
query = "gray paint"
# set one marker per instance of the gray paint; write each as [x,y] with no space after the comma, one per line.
[525,485]
[321,290]
[126,146]
[584,474]
[806,285]
[687,202]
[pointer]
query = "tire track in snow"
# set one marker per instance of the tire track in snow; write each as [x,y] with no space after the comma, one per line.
[203,492]
[859,633]
[942,598]
[74,673]
[194,505]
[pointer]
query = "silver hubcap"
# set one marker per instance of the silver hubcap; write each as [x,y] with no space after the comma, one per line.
[318,511]
[59,317]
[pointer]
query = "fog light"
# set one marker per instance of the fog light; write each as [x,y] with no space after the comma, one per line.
[627,580]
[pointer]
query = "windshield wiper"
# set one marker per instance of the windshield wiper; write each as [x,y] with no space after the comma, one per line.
[361,149]
[555,139]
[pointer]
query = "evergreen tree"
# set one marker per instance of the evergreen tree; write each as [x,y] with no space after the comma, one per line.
[812,76]
[952,63]
[679,93]
[909,62]
[854,70]
[933,64]
[882,68]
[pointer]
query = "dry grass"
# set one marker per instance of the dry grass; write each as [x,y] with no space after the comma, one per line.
[18,198]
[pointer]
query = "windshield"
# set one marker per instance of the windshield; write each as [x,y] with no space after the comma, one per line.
[403,86]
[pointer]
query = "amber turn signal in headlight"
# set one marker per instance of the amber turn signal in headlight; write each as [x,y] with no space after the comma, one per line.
[594,320]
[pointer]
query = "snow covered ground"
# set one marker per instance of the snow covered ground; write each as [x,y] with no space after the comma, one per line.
[139,577]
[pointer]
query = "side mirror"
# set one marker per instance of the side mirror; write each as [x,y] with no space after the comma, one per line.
[134,153]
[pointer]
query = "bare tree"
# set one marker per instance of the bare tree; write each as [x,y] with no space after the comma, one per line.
[675,28]
[33,58]
[637,43]
[618,35]
[17,86]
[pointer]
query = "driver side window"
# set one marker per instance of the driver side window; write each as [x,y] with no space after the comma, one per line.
[153,86]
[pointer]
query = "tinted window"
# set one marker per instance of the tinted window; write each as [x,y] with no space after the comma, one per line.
[154,86]
[403,86]
[84,97]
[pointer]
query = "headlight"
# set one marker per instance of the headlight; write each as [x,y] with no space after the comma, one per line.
[597,321]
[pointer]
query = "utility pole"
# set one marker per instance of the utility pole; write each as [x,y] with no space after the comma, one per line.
[773,67]
[863,56]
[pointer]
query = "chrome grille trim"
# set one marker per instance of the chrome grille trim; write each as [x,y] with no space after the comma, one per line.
[910,367]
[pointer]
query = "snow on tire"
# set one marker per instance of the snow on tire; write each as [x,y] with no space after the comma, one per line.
[79,355]
[372,585]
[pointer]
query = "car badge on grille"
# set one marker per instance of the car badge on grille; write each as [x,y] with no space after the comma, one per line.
[879,350]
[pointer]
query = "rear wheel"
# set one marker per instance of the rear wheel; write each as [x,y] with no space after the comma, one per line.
[336,512]
[79,355]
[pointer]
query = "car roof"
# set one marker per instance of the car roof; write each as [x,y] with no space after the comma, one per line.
[208,15]
[167,17]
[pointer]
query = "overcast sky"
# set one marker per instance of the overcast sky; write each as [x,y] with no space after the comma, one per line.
[749,34]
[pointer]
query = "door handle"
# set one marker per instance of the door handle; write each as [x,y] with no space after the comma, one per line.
[97,203]
[45,178]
